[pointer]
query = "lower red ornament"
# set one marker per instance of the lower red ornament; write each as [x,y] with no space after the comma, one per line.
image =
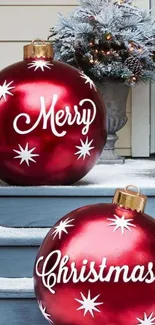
[97,267]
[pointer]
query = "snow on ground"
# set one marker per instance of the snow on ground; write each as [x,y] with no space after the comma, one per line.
[138,172]
[24,233]
[16,284]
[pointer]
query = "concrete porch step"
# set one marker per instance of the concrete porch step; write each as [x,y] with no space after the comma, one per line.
[27,213]
[43,206]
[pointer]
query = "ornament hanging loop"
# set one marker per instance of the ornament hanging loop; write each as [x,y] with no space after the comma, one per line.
[134,186]
[38,41]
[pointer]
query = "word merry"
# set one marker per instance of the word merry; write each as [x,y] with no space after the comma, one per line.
[65,274]
[59,118]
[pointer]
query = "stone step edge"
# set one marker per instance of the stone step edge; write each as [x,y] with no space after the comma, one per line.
[66,191]
[18,288]
[57,191]
[22,236]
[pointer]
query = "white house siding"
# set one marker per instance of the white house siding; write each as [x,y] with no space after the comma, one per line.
[24,20]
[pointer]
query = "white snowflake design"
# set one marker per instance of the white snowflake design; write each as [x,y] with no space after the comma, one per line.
[45,314]
[84,149]
[40,64]
[62,227]
[89,304]
[88,81]
[26,154]
[4,89]
[122,223]
[148,320]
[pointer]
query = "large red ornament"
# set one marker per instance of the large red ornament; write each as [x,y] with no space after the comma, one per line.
[97,265]
[52,121]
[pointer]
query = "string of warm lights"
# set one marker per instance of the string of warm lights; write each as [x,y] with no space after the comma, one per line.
[134,47]
[108,51]
[104,51]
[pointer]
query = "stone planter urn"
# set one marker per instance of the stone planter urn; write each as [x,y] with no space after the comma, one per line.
[115,94]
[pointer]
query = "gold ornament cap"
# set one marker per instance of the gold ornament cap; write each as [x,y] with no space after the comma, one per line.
[129,199]
[38,49]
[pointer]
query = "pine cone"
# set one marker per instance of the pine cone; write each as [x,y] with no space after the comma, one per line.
[134,65]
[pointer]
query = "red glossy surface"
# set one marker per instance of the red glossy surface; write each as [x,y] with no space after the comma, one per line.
[28,123]
[125,296]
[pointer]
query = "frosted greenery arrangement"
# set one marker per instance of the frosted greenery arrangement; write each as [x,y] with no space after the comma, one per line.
[107,39]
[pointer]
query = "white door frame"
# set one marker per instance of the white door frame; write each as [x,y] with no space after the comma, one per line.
[152,122]
[140,133]
[152,97]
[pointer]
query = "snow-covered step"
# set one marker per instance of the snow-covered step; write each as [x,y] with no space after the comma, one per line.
[27,213]
[43,206]
[16,288]
[18,249]
[17,261]
[20,312]
[22,236]
[18,305]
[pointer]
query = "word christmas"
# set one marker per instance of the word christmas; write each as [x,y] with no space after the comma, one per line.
[59,118]
[139,273]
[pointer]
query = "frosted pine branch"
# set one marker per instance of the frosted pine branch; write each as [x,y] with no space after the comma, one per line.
[100,35]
